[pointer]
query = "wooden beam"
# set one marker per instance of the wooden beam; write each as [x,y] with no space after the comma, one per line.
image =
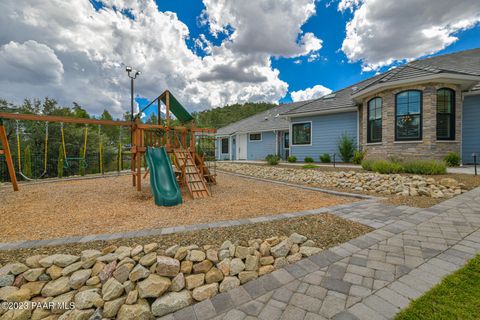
[36,117]
[8,156]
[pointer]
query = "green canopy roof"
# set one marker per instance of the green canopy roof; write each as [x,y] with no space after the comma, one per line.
[176,108]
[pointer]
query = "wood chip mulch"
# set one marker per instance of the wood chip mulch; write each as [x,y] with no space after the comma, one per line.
[325,229]
[111,205]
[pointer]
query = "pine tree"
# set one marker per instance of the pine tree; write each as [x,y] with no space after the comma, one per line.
[27,163]
[60,162]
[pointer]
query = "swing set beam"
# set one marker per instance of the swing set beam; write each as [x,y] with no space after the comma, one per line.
[137,148]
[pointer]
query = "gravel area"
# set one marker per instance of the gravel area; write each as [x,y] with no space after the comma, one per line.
[108,205]
[327,176]
[325,230]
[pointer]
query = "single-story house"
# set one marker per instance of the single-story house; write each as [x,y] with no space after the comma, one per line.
[423,109]
[255,137]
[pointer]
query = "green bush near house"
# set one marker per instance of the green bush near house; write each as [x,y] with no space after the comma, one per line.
[346,147]
[367,164]
[452,159]
[308,160]
[387,167]
[358,157]
[424,167]
[272,159]
[325,158]
[292,159]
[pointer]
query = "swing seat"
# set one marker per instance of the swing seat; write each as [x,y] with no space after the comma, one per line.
[81,162]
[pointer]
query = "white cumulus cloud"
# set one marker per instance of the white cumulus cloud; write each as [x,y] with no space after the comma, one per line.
[314,92]
[382,32]
[71,51]
[28,62]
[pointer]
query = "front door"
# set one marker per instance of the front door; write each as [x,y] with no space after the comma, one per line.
[286,144]
[241,147]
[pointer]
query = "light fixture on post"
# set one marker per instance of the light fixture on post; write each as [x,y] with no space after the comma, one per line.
[132,74]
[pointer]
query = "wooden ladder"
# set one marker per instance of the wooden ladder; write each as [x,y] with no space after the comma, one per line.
[209,177]
[193,178]
[8,156]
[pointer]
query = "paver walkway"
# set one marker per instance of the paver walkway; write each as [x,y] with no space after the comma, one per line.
[370,277]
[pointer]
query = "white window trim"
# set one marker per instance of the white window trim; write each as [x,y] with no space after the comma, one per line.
[291,134]
[221,148]
[261,137]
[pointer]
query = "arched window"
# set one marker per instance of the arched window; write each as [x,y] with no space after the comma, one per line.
[408,115]
[445,114]
[374,125]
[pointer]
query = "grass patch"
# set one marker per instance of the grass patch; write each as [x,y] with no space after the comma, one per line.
[456,297]
[309,166]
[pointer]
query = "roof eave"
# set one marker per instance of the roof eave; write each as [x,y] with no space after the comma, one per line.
[465,80]
[322,112]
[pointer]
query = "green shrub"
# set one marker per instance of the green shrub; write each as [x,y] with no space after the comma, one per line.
[272,159]
[292,159]
[309,166]
[325,158]
[27,163]
[308,160]
[358,157]
[367,164]
[386,167]
[60,162]
[452,159]
[346,147]
[424,167]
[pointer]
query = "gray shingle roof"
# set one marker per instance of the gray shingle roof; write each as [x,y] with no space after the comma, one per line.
[464,62]
[264,121]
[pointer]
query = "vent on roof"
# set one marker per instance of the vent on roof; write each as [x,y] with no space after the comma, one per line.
[266,118]
[354,88]
[276,116]
[329,96]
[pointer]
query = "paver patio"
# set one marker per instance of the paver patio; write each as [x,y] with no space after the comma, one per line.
[370,277]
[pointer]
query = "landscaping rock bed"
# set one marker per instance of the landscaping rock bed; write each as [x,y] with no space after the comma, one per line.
[142,281]
[385,184]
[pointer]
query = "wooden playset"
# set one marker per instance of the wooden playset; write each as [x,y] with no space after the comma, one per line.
[180,143]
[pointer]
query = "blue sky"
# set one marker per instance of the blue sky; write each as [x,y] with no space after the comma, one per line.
[332,68]
[211,53]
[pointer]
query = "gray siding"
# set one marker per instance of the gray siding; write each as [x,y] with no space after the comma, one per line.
[326,130]
[258,150]
[471,128]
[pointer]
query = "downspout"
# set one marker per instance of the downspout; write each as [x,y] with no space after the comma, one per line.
[358,129]
[276,141]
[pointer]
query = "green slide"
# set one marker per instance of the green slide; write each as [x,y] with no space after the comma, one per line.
[163,183]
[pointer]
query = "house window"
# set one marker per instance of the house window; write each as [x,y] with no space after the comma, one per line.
[374,125]
[286,140]
[255,137]
[302,133]
[445,114]
[225,146]
[408,115]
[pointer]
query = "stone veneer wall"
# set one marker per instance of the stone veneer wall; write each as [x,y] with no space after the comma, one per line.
[428,147]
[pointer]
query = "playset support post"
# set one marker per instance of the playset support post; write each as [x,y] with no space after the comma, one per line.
[8,156]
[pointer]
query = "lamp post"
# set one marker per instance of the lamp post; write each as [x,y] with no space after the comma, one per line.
[132,74]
